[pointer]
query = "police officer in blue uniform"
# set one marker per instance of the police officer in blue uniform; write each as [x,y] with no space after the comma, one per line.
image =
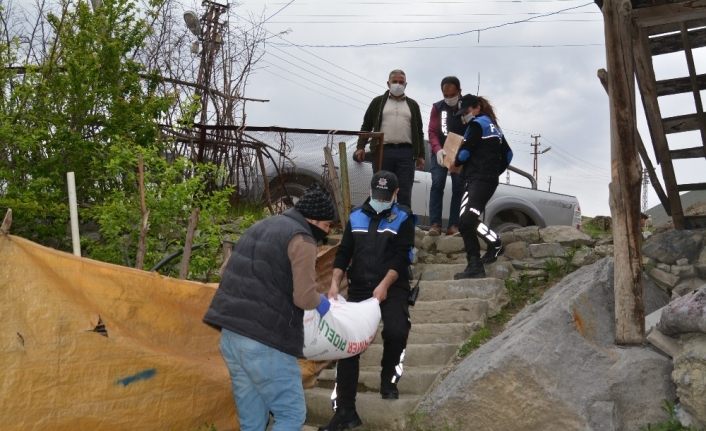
[484,155]
[375,252]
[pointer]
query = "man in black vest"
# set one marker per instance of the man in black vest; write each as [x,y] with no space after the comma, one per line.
[267,283]
[376,252]
[443,119]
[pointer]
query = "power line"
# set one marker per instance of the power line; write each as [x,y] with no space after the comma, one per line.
[443,36]
[311,89]
[278,11]
[398,22]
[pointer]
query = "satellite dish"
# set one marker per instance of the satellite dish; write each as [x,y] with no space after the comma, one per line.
[192,22]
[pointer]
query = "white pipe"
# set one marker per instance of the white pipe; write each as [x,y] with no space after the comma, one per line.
[73,208]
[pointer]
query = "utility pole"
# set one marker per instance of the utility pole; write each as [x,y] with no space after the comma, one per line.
[507,177]
[535,152]
[550,183]
[211,38]
[645,184]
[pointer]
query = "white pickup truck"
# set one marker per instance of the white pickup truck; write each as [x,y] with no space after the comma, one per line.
[510,207]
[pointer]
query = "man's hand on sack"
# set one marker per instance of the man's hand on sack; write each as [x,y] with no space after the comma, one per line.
[380,293]
[333,291]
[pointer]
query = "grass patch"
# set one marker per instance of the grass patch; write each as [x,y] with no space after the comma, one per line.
[671,424]
[420,421]
[593,229]
[475,341]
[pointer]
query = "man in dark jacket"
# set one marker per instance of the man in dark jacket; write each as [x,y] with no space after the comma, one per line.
[268,281]
[376,252]
[443,119]
[400,119]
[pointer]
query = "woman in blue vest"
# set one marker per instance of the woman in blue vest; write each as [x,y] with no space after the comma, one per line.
[484,155]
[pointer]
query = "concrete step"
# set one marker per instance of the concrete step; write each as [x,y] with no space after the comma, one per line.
[415,355]
[376,413]
[435,333]
[450,311]
[438,271]
[481,288]
[415,380]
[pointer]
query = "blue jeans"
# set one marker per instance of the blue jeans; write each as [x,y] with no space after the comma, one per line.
[436,195]
[264,380]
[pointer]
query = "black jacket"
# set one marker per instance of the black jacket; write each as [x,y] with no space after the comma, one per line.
[372,244]
[254,298]
[485,153]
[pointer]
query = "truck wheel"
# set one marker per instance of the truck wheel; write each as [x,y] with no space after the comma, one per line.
[506,227]
[285,197]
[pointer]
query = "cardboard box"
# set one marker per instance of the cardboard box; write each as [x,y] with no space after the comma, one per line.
[452,144]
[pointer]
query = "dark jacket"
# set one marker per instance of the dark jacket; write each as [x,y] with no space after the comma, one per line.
[442,120]
[373,120]
[485,154]
[372,244]
[254,298]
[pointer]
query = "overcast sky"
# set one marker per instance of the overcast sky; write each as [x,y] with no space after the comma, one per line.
[540,74]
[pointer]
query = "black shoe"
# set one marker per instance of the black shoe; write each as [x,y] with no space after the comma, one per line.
[343,419]
[494,250]
[390,392]
[474,269]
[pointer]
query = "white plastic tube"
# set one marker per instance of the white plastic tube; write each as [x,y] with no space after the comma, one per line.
[73,209]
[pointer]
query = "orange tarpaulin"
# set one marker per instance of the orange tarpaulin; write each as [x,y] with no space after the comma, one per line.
[90,345]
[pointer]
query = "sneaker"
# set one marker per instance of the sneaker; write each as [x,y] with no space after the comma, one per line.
[343,419]
[452,230]
[434,230]
[494,250]
[474,269]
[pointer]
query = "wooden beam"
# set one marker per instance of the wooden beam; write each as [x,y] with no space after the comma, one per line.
[648,92]
[189,243]
[335,185]
[669,13]
[669,43]
[626,174]
[144,215]
[669,87]
[691,187]
[681,123]
[694,84]
[688,153]
[673,27]
[646,161]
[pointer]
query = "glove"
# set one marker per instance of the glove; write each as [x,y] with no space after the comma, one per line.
[440,157]
[323,306]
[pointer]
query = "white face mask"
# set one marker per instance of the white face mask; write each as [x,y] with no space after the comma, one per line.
[397,89]
[452,101]
[467,118]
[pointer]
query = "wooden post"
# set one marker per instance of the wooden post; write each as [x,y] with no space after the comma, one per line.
[186,257]
[227,251]
[265,180]
[377,165]
[144,223]
[335,185]
[345,185]
[7,222]
[625,173]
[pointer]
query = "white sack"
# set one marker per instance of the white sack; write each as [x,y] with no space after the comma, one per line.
[346,330]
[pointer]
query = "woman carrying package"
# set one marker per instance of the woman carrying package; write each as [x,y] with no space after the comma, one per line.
[484,155]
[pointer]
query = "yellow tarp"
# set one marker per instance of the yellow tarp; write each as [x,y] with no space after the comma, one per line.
[158,368]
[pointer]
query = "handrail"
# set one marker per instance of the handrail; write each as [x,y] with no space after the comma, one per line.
[524,174]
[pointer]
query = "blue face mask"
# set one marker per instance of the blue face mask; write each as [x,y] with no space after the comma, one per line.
[380,206]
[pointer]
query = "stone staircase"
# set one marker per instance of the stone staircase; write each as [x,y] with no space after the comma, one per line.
[446,314]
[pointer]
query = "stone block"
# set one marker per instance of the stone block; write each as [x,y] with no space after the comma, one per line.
[604,250]
[584,256]
[664,267]
[450,244]
[664,279]
[565,235]
[683,271]
[546,250]
[683,261]
[516,250]
[688,375]
[529,234]
[428,242]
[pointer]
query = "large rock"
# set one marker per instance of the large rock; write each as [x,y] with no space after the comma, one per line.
[516,250]
[670,246]
[556,367]
[567,236]
[685,314]
[584,256]
[689,375]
